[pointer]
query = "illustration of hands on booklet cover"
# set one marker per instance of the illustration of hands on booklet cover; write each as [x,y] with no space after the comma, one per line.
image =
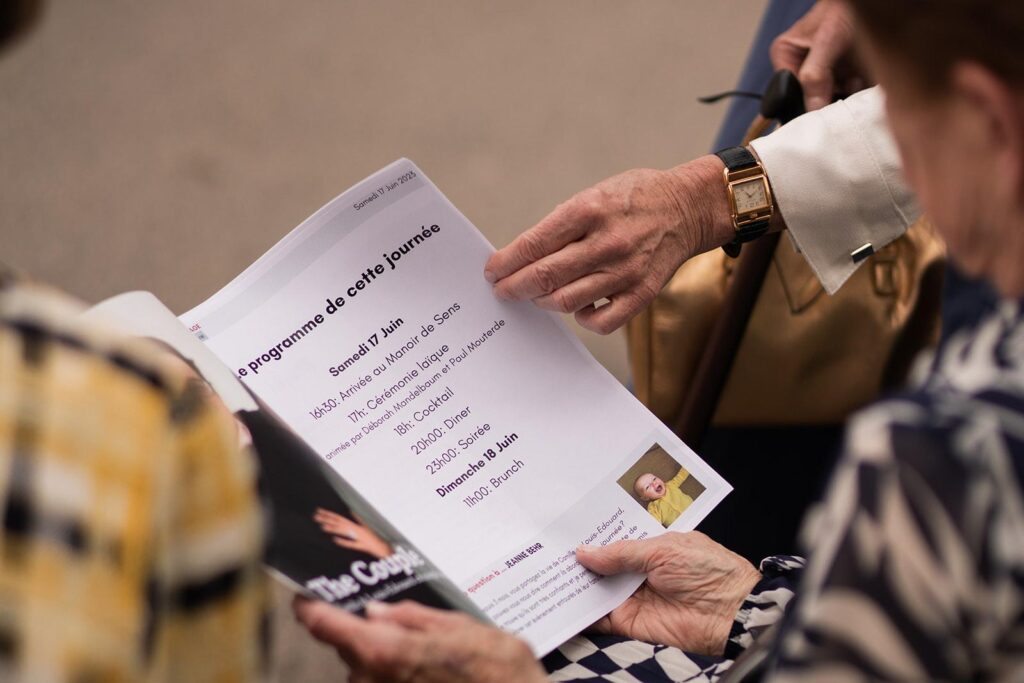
[419,438]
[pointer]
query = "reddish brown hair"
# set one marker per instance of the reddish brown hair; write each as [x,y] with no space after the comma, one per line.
[930,36]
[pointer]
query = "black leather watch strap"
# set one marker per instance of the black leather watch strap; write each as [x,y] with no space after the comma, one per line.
[736,158]
[748,233]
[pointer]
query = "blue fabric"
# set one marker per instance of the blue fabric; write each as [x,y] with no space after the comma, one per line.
[964,301]
[780,15]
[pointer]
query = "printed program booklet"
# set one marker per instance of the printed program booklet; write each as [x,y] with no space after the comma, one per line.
[418,437]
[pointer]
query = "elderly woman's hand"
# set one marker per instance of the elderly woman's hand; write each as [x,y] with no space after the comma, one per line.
[694,588]
[410,642]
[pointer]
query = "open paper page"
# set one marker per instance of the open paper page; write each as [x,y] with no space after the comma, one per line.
[481,429]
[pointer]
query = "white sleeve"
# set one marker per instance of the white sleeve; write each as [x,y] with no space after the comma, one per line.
[837,181]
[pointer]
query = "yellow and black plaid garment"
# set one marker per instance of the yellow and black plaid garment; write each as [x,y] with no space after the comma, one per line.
[130,533]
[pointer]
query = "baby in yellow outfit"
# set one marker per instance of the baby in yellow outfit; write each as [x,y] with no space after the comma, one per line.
[665,501]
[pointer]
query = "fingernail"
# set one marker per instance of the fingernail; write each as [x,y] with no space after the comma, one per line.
[583,549]
[377,609]
[489,276]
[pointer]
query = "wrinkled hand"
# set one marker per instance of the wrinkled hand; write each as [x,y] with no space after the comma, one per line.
[694,588]
[409,642]
[350,534]
[819,50]
[621,239]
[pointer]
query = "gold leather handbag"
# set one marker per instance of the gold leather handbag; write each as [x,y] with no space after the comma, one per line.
[806,357]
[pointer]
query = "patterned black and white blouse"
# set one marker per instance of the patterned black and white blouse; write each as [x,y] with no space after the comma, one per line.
[917,571]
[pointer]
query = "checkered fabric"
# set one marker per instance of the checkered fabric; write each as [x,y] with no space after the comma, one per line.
[130,534]
[613,658]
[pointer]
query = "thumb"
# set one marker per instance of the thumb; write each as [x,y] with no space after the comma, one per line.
[327,623]
[618,557]
[411,615]
[356,639]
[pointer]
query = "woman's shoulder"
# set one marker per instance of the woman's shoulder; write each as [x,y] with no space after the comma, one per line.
[982,359]
[959,433]
[975,387]
[950,441]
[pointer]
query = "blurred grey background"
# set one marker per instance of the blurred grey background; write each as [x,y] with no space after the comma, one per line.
[166,145]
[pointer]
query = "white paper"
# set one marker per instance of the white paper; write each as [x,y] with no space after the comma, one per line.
[142,314]
[481,429]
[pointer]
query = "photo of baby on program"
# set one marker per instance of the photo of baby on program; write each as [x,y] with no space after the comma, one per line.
[661,485]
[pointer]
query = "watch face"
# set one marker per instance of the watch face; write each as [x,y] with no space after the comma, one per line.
[750,195]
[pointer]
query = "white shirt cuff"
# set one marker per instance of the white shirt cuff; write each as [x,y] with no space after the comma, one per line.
[837,181]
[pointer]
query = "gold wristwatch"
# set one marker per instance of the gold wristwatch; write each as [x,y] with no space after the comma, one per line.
[750,196]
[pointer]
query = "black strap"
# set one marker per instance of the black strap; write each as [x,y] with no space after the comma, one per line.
[748,233]
[736,158]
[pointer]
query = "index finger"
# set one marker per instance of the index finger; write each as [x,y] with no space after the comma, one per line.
[786,54]
[340,522]
[321,513]
[817,73]
[560,227]
[338,632]
[412,615]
